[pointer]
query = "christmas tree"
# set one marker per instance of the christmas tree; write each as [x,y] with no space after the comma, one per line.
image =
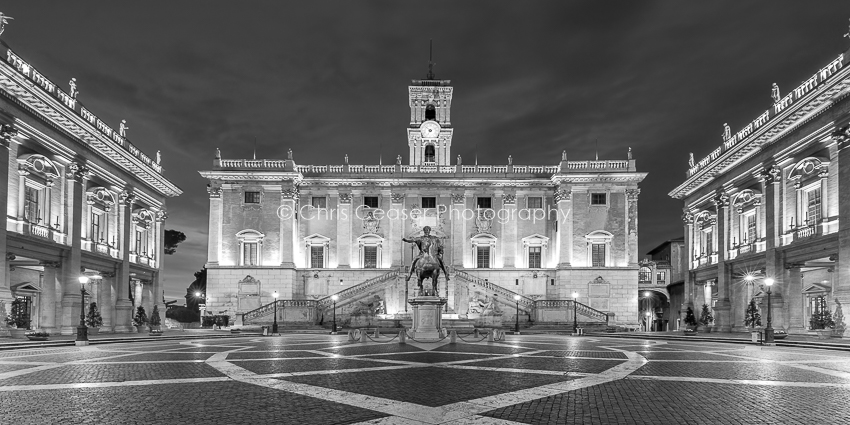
[706,318]
[690,319]
[752,317]
[93,318]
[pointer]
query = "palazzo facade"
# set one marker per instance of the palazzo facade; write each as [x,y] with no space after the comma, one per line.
[769,203]
[542,232]
[80,200]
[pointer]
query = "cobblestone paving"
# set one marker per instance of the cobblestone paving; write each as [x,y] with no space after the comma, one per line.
[323,379]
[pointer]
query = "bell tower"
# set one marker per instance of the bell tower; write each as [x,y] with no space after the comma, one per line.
[429,134]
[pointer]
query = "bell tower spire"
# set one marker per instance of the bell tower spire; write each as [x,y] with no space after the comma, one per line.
[429,134]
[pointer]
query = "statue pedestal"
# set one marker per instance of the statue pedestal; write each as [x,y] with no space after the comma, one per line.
[427,316]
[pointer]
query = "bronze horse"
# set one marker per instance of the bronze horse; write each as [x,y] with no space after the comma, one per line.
[428,268]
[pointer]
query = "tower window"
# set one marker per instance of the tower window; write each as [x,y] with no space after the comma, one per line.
[430,113]
[429,154]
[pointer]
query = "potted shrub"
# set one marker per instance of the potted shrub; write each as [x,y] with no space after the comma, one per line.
[38,335]
[93,319]
[706,318]
[18,319]
[779,334]
[752,318]
[690,322]
[156,322]
[822,322]
[140,319]
[838,318]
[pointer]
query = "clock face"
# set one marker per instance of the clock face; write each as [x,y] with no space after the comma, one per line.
[430,130]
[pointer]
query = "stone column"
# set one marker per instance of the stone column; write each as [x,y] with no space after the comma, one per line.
[7,134]
[563,197]
[22,174]
[107,301]
[50,282]
[723,317]
[343,231]
[509,231]
[688,295]
[159,222]
[123,306]
[216,215]
[77,176]
[792,315]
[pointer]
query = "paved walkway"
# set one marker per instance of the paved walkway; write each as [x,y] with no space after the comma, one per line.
[323,379]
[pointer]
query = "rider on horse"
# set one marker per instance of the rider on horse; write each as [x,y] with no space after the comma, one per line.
[424,243]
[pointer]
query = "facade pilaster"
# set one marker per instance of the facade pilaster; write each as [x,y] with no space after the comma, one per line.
[396,228]
[343,231]
[723,316]
[842,263]
[509,230]
[288,228]
[158,295]
[71,299]
[563,197]
[7,134]
[632,256]
[123,306]
[216,215]
[774,267]
[106,304]
[458,204]
[688,299]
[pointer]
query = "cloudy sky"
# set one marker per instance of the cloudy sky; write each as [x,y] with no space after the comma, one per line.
[328,78]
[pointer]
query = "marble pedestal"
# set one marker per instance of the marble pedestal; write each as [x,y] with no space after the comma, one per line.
[427,317]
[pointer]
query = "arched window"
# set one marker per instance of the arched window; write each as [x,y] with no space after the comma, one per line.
[645,275]
[430,155]
[483,250]
[250,247]
[599,248]
[430,113]
[370,251]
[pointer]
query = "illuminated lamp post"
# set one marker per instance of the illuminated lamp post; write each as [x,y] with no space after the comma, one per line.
[82,330]
[575,313]
[516,327]
[334,297]
[768,332]
[274,323]
[646,297]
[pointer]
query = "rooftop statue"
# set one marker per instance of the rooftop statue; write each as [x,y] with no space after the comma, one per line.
[122,128]
[774,93]
[74,92]
[3,22]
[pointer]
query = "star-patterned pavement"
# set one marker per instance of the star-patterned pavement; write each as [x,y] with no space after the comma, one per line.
[324,379]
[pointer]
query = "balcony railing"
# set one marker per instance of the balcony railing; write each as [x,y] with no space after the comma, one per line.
[40,231]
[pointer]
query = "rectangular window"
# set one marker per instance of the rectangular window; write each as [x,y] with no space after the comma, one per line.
[709,245]
[252,197]
[484,203]
[535,202]
[812,207]
[482,256]
[534,257]
[429,202]
[317,257]
[597,255]
[31,210]
[751,229]
[660,277]
[319,202]
[370,201]
[249,254]
[370,257]
[645,275]
[598,199]
[141,242]
[95,227]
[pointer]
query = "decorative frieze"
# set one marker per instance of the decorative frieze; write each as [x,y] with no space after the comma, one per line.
[397,198]
[563,195]
[687,217]
[632,194]
[128,198]
[78,172]
[344,198]
[291,194]
[509,199]
[457,198]
[721,200]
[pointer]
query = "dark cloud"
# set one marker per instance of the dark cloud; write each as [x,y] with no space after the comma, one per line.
[531,79]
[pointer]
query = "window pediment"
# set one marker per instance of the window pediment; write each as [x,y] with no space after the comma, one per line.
[599,236]
[535,240]
[808,168]
[317,239]
[39,164]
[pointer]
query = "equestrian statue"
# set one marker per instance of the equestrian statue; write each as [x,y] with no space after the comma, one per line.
[429,262]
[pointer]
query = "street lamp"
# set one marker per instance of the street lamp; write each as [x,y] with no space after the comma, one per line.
[768,332]
[647,321]
[334,297]
[575,313]
[647,300]
[82,330]
[516,328]
[274,324]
